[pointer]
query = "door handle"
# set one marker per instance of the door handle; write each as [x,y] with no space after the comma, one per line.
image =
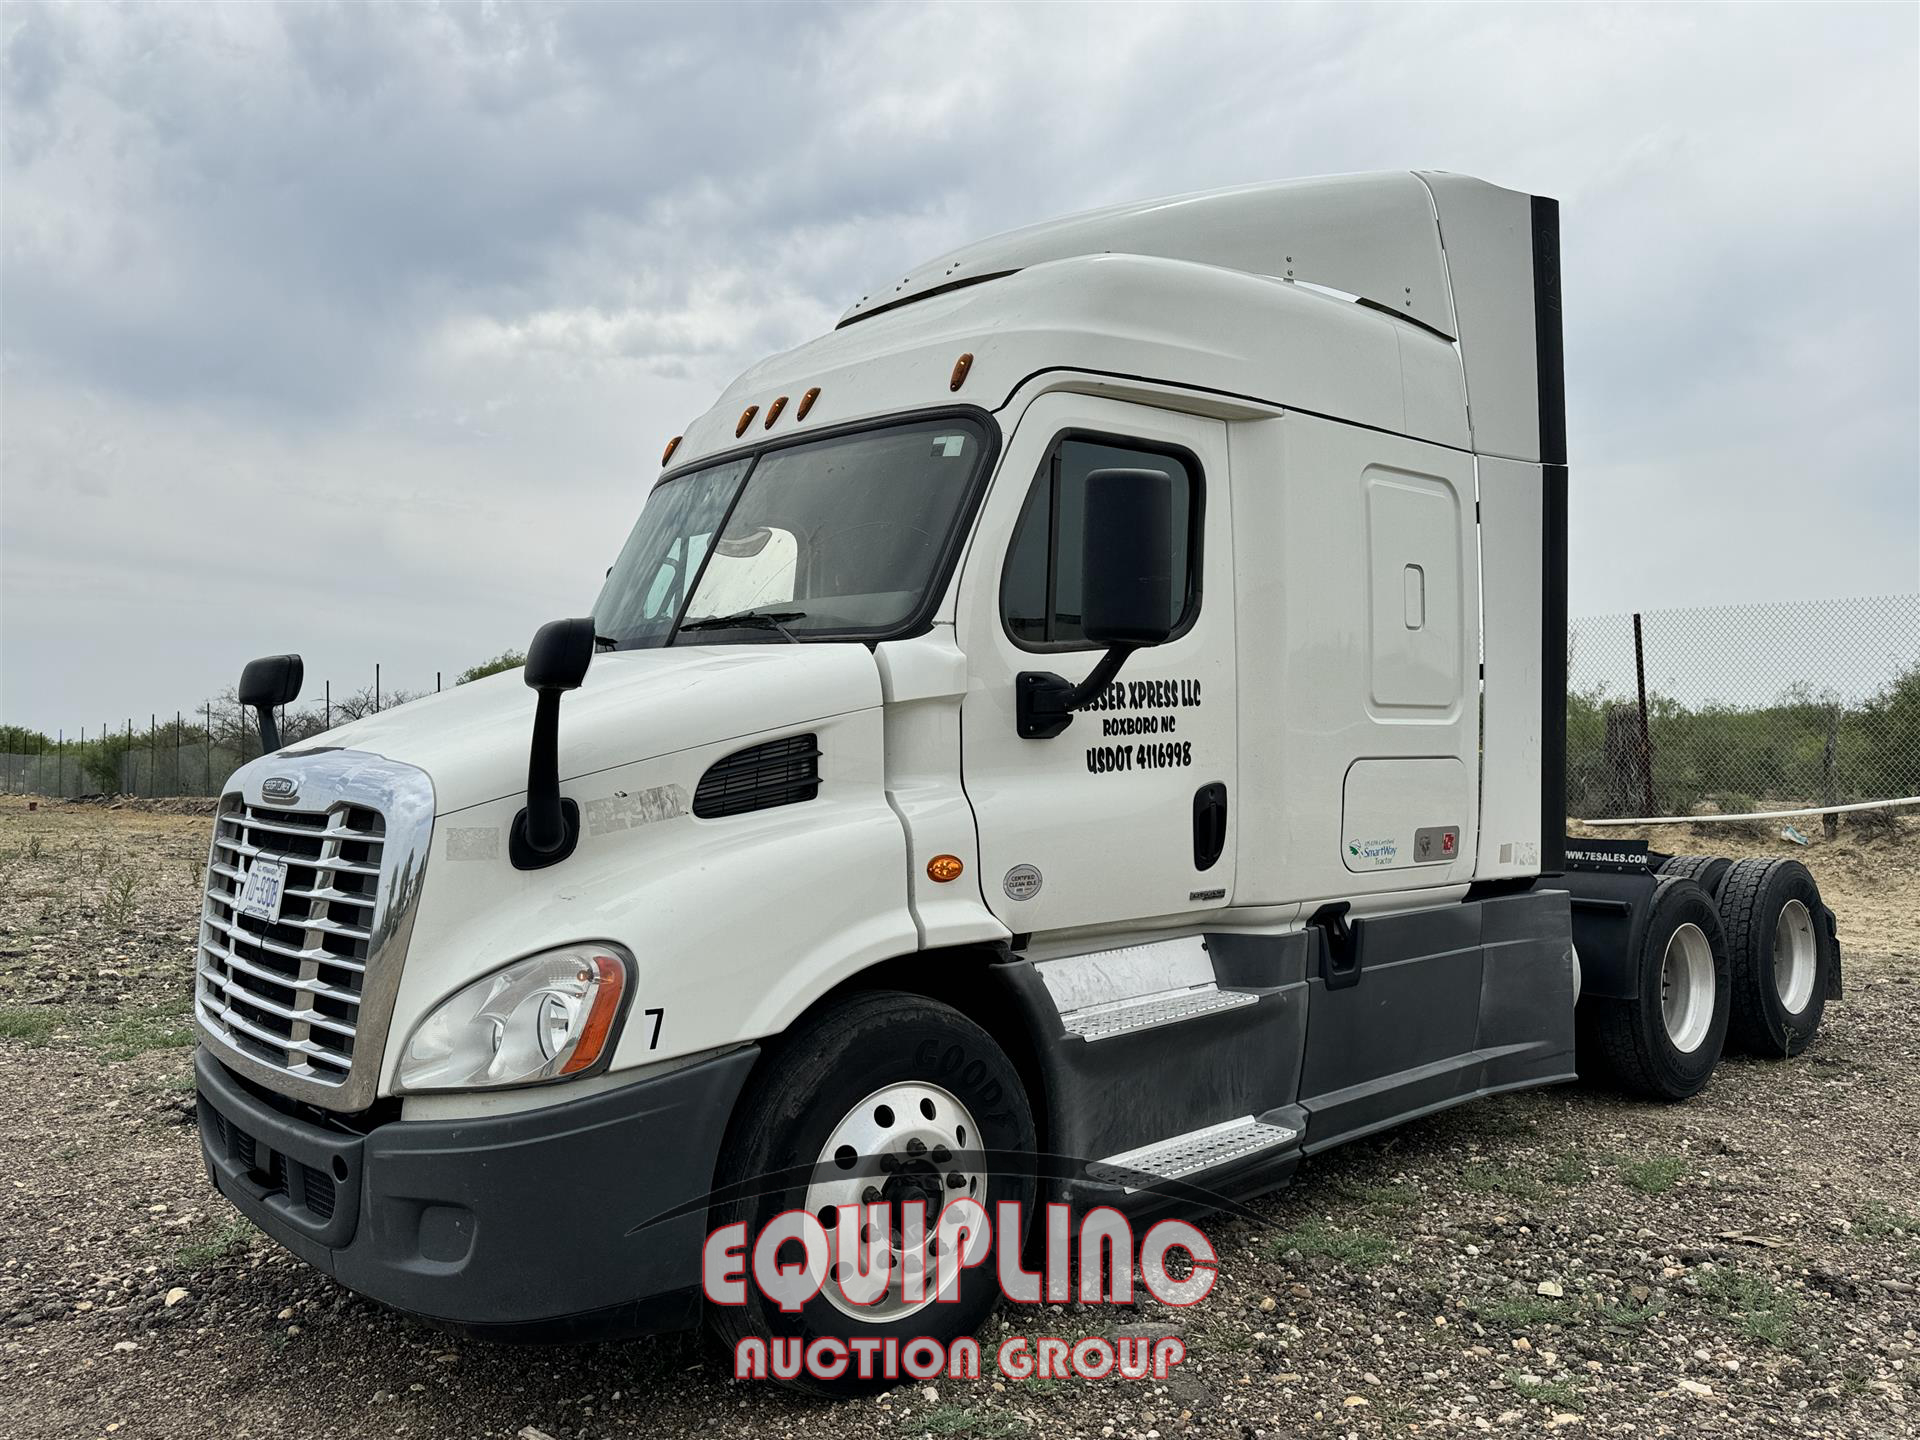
[1209,825]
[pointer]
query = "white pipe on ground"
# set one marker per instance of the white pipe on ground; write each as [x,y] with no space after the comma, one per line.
[1759,814]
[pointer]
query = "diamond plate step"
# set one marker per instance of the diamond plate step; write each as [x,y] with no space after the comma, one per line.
[1145,1012]
[1191,1153]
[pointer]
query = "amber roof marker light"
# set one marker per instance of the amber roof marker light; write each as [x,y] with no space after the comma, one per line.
[960,369]
[672,445]
[806,403]
[746,419]
[773,411]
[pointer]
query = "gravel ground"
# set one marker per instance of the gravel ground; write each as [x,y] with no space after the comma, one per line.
[1566,1261]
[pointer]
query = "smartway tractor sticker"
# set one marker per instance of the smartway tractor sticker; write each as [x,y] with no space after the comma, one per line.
[1373,852]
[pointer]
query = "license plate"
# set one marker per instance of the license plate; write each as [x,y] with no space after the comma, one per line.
[266,886]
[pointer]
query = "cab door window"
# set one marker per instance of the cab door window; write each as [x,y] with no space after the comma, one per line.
[1040,587]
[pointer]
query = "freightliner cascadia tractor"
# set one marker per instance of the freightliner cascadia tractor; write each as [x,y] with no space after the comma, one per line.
[1086,731]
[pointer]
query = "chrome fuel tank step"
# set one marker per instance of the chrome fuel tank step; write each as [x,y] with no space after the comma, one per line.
[1191,1154]
[1145,1012]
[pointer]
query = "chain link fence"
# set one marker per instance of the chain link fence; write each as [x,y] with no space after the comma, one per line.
[186,753]
[1743,708]
[1669,712]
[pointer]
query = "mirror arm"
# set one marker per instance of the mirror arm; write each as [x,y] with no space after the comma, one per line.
[546,826]
[269,732]
[1045,702]
[545,832]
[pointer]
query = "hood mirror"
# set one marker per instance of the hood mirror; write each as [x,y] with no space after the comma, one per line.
[267,683]
[545,832]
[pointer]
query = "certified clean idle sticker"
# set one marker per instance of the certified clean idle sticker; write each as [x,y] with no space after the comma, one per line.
[1022,882]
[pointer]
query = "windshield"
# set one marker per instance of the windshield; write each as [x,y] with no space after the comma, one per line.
[842,536]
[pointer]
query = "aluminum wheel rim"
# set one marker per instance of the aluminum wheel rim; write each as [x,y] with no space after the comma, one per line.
[1686,988]
[901,1143]
[1794,963]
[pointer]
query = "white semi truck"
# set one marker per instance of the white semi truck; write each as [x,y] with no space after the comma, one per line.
[1087,729]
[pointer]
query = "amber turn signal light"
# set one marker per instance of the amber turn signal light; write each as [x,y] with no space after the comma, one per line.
[943,868]
[612,978]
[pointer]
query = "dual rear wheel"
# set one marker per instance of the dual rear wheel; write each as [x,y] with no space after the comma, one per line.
[1734,955]
[1783,954]
[1666,1039]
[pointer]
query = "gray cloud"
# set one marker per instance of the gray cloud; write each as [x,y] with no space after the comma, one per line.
[359,329]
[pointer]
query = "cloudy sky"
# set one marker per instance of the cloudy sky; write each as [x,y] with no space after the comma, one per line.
[358,331]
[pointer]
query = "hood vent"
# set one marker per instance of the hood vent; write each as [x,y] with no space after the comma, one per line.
[780,772]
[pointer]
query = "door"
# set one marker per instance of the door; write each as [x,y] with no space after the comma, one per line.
[1127,814]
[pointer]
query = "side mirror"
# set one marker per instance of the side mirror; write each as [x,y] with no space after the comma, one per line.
[559,655]
[1126,558]
[271,681]
[545,832]
[1126,584]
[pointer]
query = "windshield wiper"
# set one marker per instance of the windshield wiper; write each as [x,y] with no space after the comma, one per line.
[749,619]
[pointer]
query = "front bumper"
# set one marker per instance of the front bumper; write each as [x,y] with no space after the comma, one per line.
[520,1226]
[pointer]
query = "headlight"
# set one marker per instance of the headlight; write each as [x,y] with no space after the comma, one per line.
[537,1019]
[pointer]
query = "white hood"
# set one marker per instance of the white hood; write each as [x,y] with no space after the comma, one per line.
[635,705]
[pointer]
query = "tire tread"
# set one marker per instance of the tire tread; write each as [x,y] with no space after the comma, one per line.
[1741,897]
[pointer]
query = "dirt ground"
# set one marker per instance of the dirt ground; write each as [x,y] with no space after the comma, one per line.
[1562,1261]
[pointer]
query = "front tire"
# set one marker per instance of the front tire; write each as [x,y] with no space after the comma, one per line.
[900,1077]
[1664,1042]
[1781,957]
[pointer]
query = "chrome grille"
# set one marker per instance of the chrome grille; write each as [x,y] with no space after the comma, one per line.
[289,994]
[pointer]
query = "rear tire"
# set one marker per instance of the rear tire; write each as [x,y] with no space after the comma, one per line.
[899,1076]
[1707,871]
[1665,1041]
[1782,957]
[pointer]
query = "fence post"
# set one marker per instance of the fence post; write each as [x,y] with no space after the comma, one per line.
[131,779]
[376,687]
[1646,738]
[329,704]
[1830,773]
[209,786]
